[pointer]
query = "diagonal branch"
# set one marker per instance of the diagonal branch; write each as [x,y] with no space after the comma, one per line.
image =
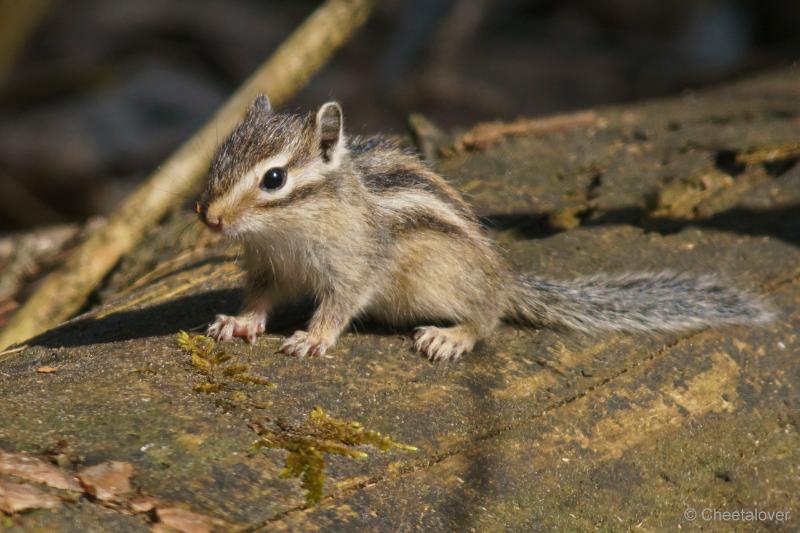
[63,292]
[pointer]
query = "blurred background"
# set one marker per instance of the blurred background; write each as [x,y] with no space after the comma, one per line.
[95,93]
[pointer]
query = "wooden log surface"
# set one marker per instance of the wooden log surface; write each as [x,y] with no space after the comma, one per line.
[536,430]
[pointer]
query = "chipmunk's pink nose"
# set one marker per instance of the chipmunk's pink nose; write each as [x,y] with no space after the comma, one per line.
[214,224]
[209,218]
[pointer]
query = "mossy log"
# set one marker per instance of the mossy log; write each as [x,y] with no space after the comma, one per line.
[536,430]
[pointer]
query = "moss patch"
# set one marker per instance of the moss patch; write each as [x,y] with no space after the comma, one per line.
[321,434]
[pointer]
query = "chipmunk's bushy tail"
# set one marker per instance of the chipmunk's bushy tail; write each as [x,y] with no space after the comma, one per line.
[635,302]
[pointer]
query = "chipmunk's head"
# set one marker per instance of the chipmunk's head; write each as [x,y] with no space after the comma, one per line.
[270,164]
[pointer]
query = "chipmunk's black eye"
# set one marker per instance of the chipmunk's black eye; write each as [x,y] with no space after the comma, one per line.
[274,178]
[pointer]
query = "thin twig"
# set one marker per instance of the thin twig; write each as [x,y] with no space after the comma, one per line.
[11,351]
[486,134]
[63,292]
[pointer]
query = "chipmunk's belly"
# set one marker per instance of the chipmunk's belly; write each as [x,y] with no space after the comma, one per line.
[433,279]
[408,302]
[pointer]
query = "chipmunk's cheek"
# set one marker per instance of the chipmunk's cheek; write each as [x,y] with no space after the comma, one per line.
[243,223]
[236,229]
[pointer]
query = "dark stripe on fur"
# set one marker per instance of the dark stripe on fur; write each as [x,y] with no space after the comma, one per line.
[409,179]
[398,179]
[302,192]
[359,145]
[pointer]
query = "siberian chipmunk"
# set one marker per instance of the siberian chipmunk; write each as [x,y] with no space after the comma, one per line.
[367,229]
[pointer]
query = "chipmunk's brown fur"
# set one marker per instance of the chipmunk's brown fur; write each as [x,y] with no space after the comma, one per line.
[365,228]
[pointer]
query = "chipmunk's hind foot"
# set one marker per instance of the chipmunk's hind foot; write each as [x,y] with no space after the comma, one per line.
[301,344]
[444,344]
[226,327]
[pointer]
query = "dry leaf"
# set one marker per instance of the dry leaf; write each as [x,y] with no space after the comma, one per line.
[107,481]
[46,369]
[16,497]
[34,469]
[177,519]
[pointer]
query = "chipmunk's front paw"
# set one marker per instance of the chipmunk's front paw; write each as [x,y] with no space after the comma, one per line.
[443,344]
[226,327]
[302,343]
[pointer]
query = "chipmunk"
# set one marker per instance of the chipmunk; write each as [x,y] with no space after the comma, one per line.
[365,228]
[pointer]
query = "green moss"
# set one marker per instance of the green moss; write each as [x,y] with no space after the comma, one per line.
[207,387]
[320,434]
[216,365]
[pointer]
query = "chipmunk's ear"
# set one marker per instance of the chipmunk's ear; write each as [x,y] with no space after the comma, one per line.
[261,104]
[330,131]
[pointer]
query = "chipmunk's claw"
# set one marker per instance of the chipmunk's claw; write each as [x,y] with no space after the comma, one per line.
[441,344]
[226,327]
[301,344]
